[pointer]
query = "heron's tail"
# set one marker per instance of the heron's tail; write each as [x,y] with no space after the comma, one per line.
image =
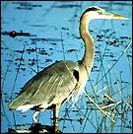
[13,105]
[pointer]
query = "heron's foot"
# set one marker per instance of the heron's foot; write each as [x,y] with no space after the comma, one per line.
[36,126]
[53,129]
[58,130]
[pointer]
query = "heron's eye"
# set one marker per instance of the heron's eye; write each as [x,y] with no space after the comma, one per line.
[101,11]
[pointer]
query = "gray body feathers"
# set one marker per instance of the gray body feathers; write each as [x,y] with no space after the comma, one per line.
[50,86]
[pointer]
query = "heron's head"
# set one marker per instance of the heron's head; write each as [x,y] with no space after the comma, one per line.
[99,13]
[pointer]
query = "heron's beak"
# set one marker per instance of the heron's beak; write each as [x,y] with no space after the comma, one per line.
[115,16]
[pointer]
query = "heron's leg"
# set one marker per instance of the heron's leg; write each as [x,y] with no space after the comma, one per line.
[55,117]
[35,117]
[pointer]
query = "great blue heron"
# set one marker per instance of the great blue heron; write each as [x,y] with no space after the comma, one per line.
[51,87]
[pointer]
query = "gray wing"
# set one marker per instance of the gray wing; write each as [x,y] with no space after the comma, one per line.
[50,86]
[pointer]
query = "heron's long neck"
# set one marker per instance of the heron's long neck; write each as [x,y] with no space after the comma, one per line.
[87,60]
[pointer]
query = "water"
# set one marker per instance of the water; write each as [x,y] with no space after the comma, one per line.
[53,32]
